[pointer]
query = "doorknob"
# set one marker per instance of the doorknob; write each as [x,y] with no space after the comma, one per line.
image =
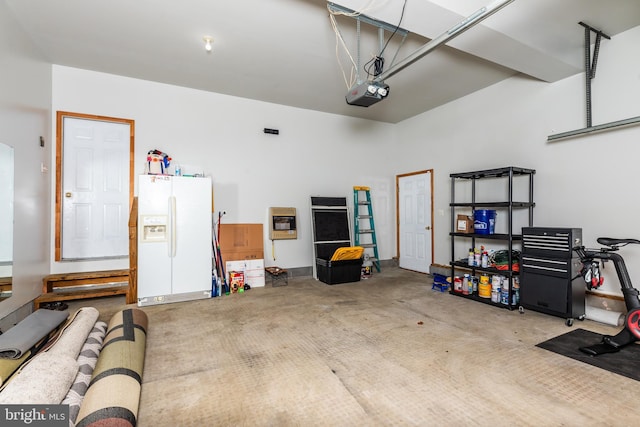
[67,194]
[428,227]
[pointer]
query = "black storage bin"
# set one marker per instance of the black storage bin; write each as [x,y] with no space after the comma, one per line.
[335,272]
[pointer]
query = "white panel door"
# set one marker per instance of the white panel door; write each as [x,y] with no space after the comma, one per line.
[95,189]
[415,222]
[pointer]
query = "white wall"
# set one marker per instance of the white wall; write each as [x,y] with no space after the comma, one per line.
[586,182]
[314,154]
[25,99]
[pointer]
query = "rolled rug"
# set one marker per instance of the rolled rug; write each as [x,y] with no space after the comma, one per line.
[28,332]
[9,366]
[69,335]
[87,362]
[44,381]
[113,396]
[73,335]
[46,378]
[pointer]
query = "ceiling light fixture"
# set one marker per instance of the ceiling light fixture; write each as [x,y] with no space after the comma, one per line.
[208,43]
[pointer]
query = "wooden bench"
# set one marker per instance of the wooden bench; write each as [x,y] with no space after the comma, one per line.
[5,287]
[73,286]
[5,284]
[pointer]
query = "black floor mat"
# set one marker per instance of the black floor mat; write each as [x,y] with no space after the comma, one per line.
[625,362]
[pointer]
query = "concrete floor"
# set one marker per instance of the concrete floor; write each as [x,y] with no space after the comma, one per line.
[383,351]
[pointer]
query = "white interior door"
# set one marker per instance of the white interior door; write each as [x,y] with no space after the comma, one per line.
[415,221]
[95,188]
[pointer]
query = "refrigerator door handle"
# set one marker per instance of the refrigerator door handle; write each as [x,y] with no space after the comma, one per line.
[172,240]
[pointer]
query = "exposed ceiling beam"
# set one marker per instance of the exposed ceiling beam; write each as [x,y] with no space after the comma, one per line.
[428,19]
[470,21]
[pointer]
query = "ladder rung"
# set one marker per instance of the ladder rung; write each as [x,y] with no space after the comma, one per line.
[365,231]
[368,245]
[364,203]
[365,216]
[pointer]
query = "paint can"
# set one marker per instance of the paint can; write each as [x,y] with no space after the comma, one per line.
[484,221]
[504,295]
[495,296]
[484,287]
[496,284]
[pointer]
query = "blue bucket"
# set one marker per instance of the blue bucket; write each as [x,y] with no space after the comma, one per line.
[484,221]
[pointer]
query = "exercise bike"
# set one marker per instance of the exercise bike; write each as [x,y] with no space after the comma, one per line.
[591,259]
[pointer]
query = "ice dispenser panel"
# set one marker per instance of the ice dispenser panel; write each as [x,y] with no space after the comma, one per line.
[154,228]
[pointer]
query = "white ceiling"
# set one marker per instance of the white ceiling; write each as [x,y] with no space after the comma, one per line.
[284,51]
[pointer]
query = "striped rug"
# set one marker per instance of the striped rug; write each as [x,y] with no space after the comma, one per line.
[113,395]
[86,364]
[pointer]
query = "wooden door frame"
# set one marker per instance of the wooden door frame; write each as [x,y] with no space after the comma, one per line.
[398,177]
[60,115]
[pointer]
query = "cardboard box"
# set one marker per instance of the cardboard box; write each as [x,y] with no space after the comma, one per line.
[253,271]
[241,242]
[464,224]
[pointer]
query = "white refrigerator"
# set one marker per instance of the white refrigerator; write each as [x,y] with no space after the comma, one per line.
[174,239]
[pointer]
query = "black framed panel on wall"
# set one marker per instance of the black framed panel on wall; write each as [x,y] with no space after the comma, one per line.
[331,228]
